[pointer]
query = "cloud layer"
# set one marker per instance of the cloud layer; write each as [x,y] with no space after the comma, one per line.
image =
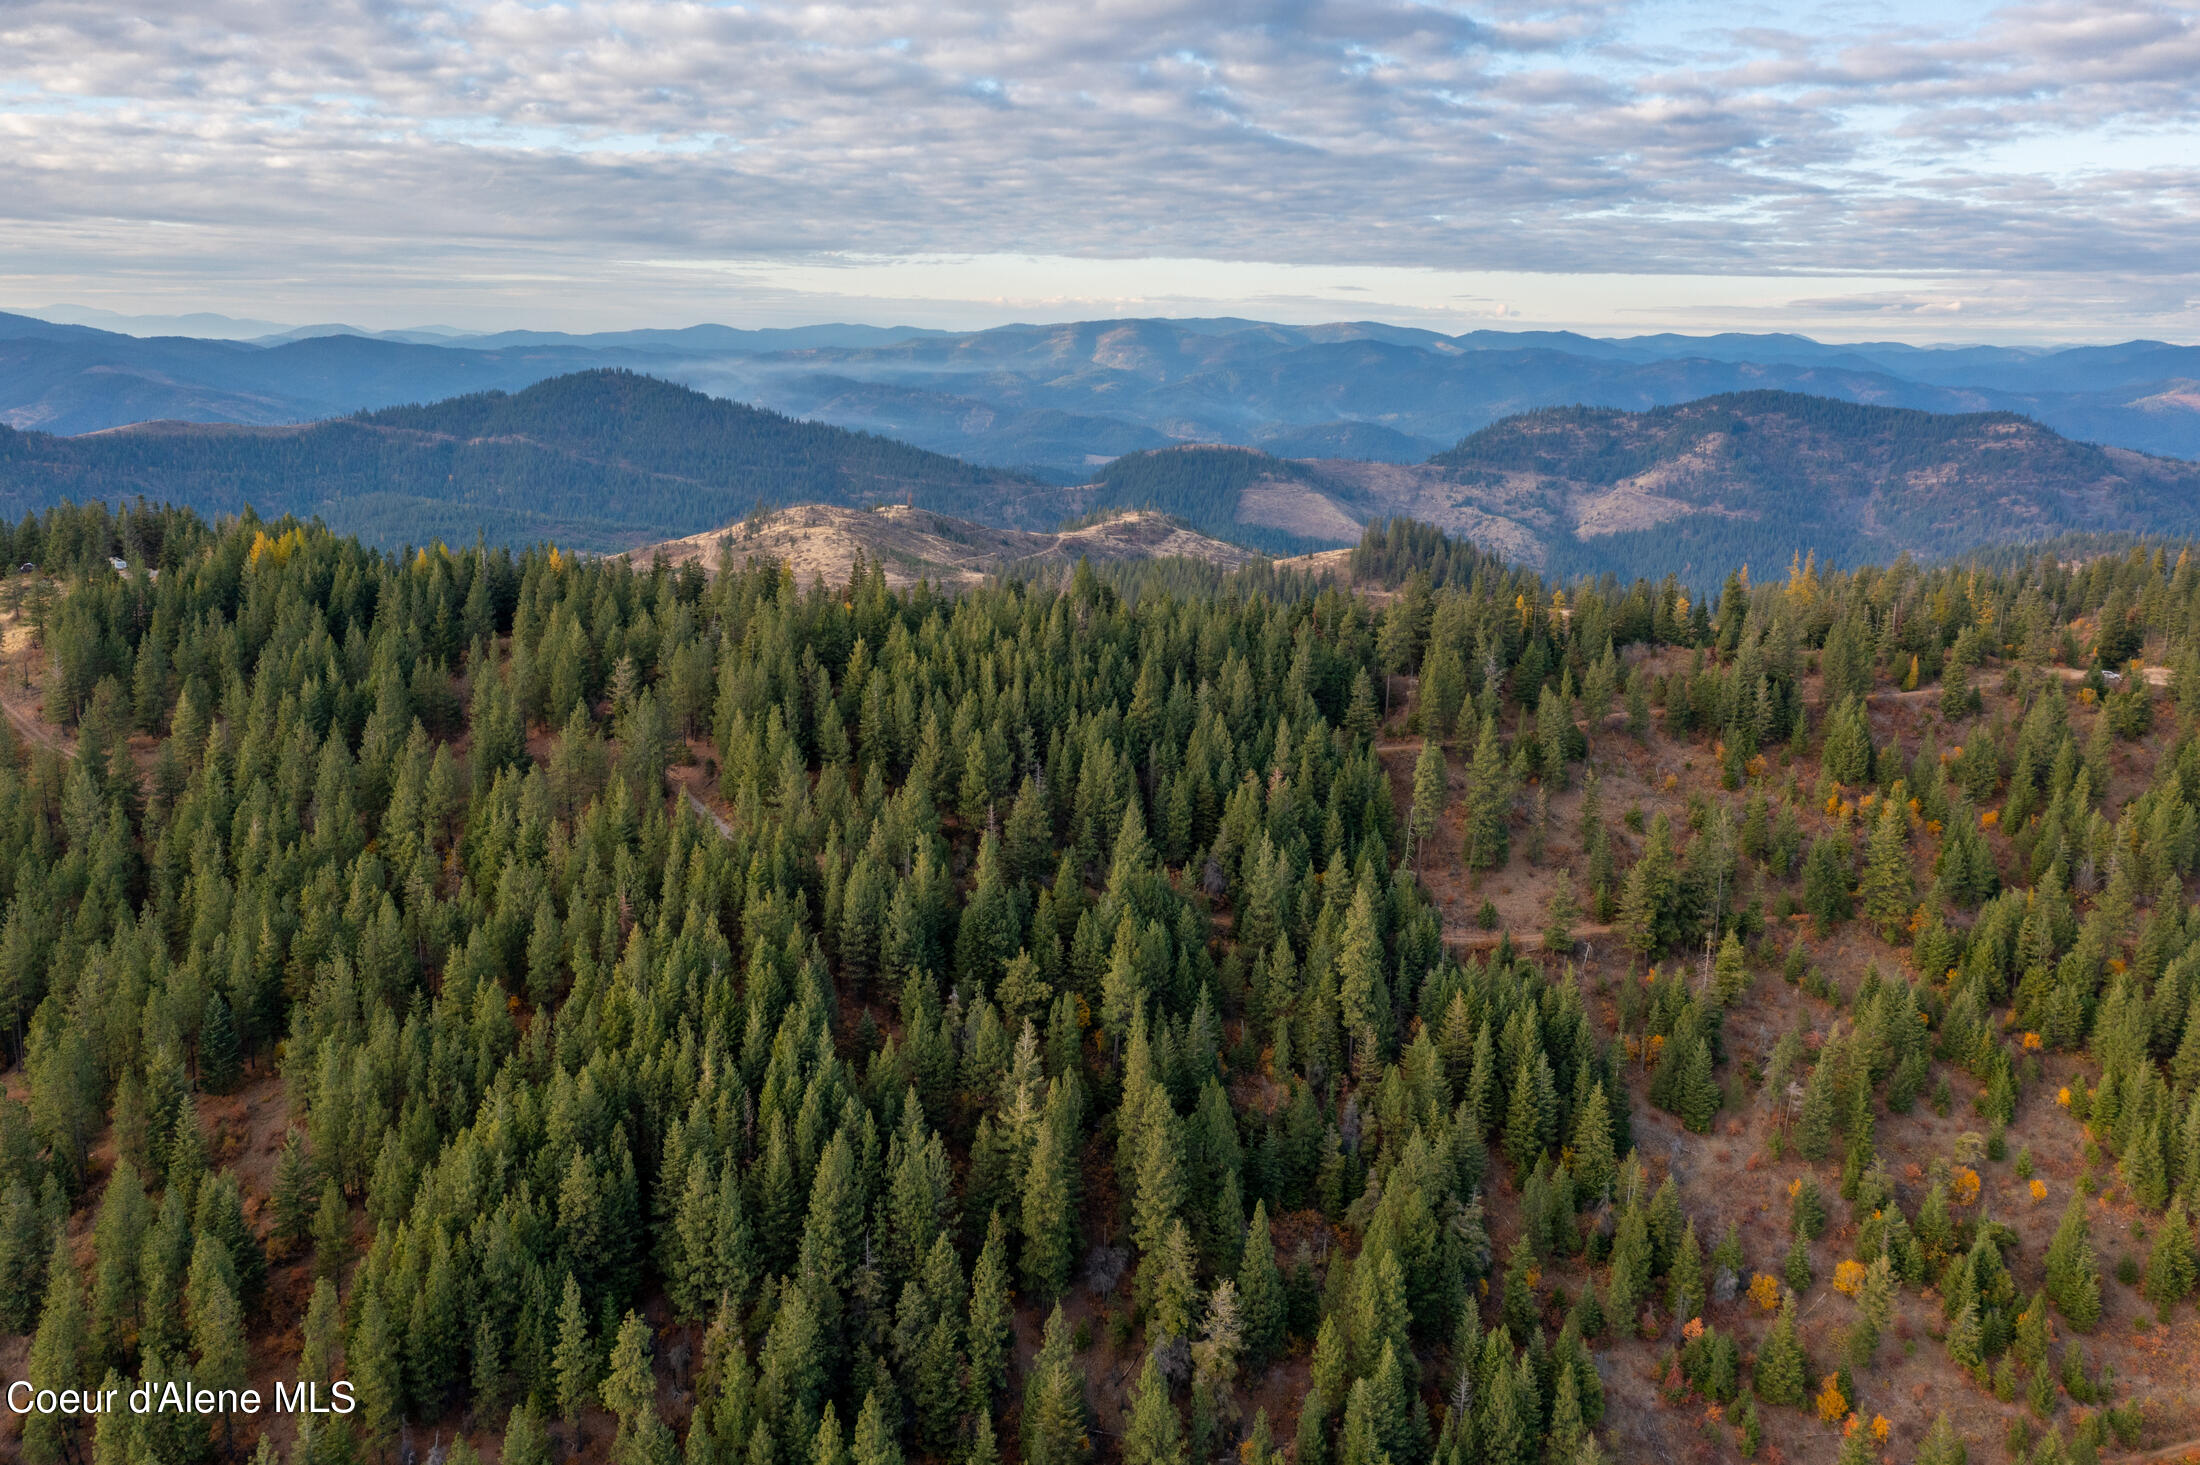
[357,150]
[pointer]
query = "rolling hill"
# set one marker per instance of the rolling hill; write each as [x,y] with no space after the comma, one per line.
[607,460]
[1747,476]
[598,460]
[916,544]
[1061,398]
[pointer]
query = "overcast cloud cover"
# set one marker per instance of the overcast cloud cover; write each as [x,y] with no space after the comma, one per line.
[1927,171]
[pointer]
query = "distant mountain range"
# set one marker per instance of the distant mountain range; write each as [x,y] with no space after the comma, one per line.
[597,460]
[1058,400]
[610,460]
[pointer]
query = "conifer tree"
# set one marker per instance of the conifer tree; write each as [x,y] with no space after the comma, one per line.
[218,1057]
[1888,890]
[1942,1445]
[989,1334]
[1152,1433]
[628,1386]
[377,1371]
[221,1356]
[2170,1264]
[292,1199]
[57,1356]
[1260,1290]
[874,1442]
[1826,881]
[1649,905]
[2073,1271]
[1053,1430]
[1781,1370]
[1684,1278]
[331,1233]
[1560,914]
[1431,790]
[526,1439]
[574,1361]
[1488,802]
[984,1449]
[1594,1164]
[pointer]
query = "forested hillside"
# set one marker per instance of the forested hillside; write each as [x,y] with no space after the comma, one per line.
[598,460]
[608,1012]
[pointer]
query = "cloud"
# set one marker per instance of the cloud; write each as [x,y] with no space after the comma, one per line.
[333,146]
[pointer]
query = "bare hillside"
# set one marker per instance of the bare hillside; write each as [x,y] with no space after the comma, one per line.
[823,540]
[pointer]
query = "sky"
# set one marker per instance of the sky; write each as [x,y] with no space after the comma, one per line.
[1930,171]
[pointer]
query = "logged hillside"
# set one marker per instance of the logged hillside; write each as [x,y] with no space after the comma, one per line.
[1756,475]
[1750,478]
[599,460]
[609,1012]
[908,545]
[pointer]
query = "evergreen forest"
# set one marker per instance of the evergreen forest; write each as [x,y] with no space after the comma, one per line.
[1428,1015]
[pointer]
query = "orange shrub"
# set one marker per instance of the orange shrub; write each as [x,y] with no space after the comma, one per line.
[1833,1405]
[1965,1188]
[1848,1278]
[1764,1290]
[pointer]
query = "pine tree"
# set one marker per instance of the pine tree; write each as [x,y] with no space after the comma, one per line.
[984,1449]
[1560,914]
[323,1332]
[1489,800]
[875,1442]
[1942,1445]
[1781,1371]
[2073,1271]
[1152,1433]
[1966,1339]
[1260,1290]
[117,1276]
[1310,1443]
[218,1062]
[1649,904]
[1684,1278]
[629,1386]
[1888,890]
[2171,1264]
[1696,1092]
[526,1441]
[1048,1226]
[1594,1164]
[1431,790]
[221,1356]
[989,1334]
[574,1360]
[377,1371]
[1874,1309]
[293,1196]
[331,1233]
[1054,1400]
[1826,884]
[1171,1280]
[57,1357]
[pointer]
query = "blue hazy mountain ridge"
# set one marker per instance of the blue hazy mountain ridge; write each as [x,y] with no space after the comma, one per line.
[595,460]
[609,459]
[1058,399]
